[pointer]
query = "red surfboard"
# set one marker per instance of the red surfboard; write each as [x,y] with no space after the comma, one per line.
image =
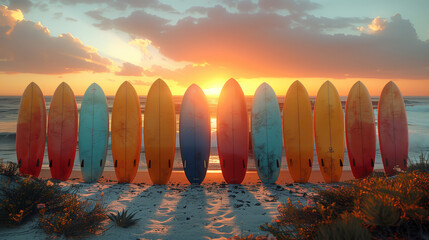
[62,132]
[232,132]
[360,131]
[392,129]
[31,131]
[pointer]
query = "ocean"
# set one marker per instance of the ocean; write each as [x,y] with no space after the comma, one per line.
[417,112]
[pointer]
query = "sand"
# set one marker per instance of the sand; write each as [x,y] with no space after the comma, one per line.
[213,210]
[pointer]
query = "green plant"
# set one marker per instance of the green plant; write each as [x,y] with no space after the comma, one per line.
[347,227]
[377,211]
[123,219]
[9,169]
[339,199]
[387,207]
[72,217]
[19,203]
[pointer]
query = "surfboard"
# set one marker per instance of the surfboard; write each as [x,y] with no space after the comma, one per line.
[360,131]
[266,125]
[329,132]
[62,132]
[194,134]
[93,133]
[126,133]
[392,129]
[159,132]
[232,132]
[31,131]
[298,132]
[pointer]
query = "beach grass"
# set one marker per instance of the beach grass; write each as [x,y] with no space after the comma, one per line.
[123,218]
[375,207]
[420,164]
[58,209]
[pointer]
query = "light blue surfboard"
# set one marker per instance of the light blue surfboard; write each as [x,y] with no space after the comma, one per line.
[195,134]
[93,133]
[266,134]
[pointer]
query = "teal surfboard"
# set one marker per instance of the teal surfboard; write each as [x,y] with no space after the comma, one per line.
[93,133]
[266,134]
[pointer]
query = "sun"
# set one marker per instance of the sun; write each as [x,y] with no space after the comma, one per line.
[212,92]
[214,87]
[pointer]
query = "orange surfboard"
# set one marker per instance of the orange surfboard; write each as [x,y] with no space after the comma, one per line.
[159,132]
[126,133]
[31,131]
[298,132]
[329,132]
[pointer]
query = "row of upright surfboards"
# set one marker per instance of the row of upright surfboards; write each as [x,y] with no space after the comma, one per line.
[300,132]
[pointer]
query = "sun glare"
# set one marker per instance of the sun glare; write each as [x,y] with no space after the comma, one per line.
[212,92]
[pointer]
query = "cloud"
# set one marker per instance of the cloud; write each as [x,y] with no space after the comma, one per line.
[28,47]
[141,82]
[129,69]
[23,5]
[71,19]
[290,5]
[123,4]
[143,44]
[269,44]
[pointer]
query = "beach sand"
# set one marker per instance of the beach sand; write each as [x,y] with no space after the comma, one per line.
[213,210]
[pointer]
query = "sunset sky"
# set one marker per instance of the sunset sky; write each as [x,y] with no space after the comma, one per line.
[207,42]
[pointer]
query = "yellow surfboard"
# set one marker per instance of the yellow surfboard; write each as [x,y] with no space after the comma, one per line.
[159,132]
[298,132]
[329,132]
[126,133]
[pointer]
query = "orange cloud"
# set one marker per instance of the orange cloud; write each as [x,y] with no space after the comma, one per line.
[28,47]
[267,44]
[129,69]
[378,24]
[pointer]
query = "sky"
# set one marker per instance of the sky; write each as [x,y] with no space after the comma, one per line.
[208,42]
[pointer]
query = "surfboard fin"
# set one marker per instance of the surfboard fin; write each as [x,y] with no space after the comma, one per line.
[290,160]
[309,162]
[116,163]
[372,162]
[101,162]
[37,163]
[341,163]
[169,163]
[50,163]
[148,165]
[19,162]
[387,163]
[354,163]
[82,163]
[244,165]
[322,163]
[405,162]
[69,163]
[134,162]
[278,163]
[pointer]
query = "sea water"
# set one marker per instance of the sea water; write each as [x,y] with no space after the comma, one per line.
[417,113]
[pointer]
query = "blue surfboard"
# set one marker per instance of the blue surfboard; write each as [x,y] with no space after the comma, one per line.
[194,134]
[266,134]
[93,133]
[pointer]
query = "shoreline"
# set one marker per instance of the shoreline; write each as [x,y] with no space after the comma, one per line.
[213,176]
